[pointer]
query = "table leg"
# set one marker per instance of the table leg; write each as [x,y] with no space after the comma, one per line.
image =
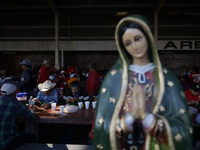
[32,128]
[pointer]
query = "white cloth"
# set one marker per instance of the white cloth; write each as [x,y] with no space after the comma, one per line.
[148,120]
[141,70]
[129,121]
[72,75]
[51,77]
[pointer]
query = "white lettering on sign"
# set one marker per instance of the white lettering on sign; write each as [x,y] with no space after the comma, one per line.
[178,45]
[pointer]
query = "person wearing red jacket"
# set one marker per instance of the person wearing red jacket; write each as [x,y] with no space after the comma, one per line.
[70,69]
[192,93]
[195,76]
[93,80]
[44,71]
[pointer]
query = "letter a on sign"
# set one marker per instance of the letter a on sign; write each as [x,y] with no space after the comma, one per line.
[170,44]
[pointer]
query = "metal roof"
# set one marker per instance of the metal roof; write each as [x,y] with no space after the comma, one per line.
[98,8]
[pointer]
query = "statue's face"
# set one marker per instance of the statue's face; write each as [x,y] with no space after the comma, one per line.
[135,43]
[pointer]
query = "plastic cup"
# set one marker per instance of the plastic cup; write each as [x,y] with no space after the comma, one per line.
[94,104]
[87,103]
[61,108]
[53,106]
[80,104]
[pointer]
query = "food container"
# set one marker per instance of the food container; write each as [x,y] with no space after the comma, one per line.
[22,97]
[71,109]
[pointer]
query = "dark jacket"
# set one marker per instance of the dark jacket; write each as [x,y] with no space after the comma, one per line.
[27,81]
[93,82]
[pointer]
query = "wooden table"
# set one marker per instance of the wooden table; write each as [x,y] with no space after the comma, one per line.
[81,117]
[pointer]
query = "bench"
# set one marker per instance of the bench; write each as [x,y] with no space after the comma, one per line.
[50,146]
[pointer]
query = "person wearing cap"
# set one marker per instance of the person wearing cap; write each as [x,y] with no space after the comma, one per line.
[11,110]
[54,76]
[194,76]
[75,94]
[64,77]
[44,71]
[47,94]
[28,79]
[84,75]
[93,80]
[192,93]
[70,69]
[72,78]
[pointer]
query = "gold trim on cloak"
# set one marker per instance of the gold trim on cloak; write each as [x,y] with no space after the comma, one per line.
[118,106]
[125,84]
[169,133]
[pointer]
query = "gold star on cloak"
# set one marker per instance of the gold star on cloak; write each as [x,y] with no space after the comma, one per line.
[112,100]
[100,121]
[165,71]
[182,94]
[170,83]
[103,90]
[181,111]
[178,137]
[162,108]
[113,72]
[99,146]
[190,130]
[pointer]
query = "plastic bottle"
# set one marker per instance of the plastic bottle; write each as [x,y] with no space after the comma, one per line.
[31,104]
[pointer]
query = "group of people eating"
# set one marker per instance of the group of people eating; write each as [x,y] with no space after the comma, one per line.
[45,89]
[141,103]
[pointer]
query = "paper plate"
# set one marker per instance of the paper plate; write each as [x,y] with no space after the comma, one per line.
[71,109]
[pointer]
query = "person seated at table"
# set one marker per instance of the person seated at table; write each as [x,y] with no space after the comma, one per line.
[75,94]
[72,78]
[54,76]
[78,76]
[194,76]
[84,75]
[185,82]
[64,77]
[192,93]
[47,94]
[61,88]
[70,69]
[11,111]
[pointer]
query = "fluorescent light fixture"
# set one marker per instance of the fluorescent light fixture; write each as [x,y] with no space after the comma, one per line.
[121,13]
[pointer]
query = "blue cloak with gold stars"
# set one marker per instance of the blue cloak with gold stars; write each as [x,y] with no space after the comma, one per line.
[169,101]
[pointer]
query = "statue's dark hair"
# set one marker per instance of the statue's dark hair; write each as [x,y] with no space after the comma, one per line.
[135,26]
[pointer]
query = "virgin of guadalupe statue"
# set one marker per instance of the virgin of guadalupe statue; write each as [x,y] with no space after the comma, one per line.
[141,104]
